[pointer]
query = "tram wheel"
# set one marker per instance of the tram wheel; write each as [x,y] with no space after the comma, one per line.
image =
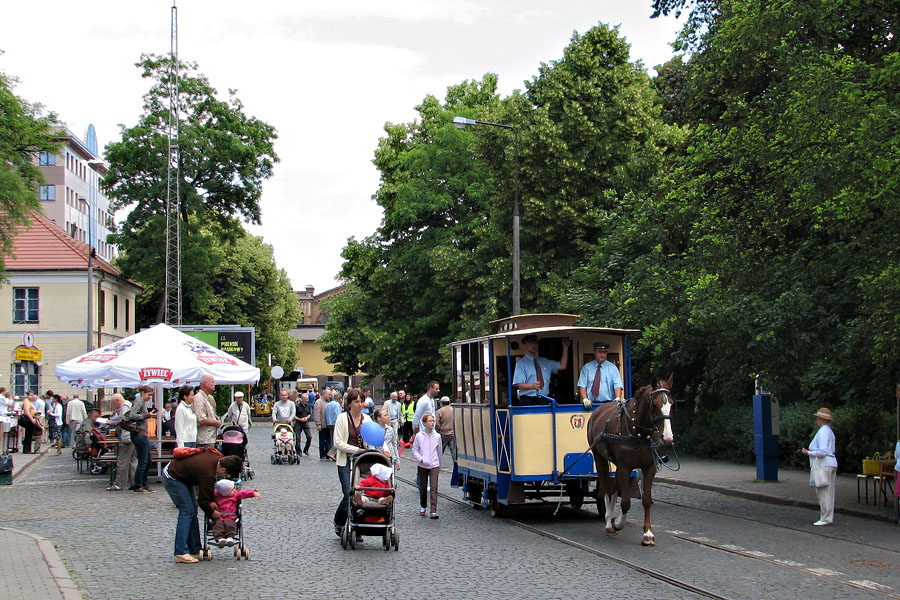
[496,506]
[576,494]
[474,491]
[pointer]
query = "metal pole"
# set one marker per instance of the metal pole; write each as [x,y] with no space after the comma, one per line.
[90,278]
[517,305]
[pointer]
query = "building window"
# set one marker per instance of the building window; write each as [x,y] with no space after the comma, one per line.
[25,305]
[47,159]
[115,311]
[127,314]
[101,307]
[25,377]
[48,192]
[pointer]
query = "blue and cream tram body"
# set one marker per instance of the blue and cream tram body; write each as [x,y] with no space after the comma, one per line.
[508,453]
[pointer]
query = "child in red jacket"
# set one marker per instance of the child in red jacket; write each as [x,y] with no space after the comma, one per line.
[224,528]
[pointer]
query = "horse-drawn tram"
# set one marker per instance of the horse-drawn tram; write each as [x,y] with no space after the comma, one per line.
[519,420]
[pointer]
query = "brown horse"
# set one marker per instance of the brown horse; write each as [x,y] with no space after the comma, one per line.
[627,435]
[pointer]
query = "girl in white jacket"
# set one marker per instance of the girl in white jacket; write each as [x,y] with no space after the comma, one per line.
[427,452]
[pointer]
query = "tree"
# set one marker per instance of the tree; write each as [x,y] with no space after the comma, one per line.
[777,254]
[438,268]
[24,133]
[224,158]
[230,276]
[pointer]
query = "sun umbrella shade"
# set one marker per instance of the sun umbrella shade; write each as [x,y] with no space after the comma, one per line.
[160,354]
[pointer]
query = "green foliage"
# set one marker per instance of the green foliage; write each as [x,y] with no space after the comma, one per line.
[229,276]
[439,266]
[224,158]
[24,133]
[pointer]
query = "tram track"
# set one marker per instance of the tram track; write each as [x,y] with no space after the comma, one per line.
[673,581]
[787,527]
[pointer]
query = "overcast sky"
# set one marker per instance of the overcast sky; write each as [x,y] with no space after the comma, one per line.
[326,75]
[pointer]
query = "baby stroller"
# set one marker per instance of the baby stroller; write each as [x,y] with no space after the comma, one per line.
[283,441]
[367,516]
[234,443]
[240,550]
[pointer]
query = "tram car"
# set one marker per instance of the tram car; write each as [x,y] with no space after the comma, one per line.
[510,449]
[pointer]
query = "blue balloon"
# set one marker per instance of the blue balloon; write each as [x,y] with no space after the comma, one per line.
[372,433]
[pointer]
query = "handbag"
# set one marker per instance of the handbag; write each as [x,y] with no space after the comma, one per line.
[818,477]
[871,466]
[129,426]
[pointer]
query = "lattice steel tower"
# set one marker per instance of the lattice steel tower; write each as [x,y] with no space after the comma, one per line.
[173,189]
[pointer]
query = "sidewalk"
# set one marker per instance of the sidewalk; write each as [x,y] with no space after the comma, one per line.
[792,487]
[32,567]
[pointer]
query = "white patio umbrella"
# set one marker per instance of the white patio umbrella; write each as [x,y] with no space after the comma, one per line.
[159,355]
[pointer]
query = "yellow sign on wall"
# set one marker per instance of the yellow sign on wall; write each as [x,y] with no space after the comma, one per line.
[28,354]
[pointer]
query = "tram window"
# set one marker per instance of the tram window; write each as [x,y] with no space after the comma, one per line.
[469,368]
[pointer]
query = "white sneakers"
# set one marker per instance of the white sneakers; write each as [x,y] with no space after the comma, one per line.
[821,523]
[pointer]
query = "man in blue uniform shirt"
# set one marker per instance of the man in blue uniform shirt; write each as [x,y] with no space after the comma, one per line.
[532,375]
[600,380]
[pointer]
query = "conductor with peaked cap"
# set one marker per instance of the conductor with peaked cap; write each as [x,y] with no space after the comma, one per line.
[600,380]
[532,375]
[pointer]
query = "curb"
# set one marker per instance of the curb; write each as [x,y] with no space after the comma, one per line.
[18,472]
[67,586]
[780,500]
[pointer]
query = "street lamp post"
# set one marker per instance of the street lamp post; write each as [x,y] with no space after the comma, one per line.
[462,123]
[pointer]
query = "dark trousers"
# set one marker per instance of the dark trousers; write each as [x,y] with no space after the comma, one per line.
[324,442]
[306,429]
[406,430]
[224,528]
[340,515]
[28,435]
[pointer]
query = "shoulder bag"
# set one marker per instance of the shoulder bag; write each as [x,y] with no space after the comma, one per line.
[818,476]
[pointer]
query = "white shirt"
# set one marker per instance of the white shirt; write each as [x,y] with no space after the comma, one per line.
[424,406]
[4,405]
[75,410]
[185,424]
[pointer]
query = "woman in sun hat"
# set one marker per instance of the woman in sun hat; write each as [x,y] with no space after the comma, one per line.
[822,446]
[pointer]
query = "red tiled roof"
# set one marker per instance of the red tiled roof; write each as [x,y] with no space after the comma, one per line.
[45,246]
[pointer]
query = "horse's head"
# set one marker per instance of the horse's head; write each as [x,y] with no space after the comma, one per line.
[662,403]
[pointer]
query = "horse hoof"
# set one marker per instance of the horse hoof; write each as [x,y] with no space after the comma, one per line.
[648,540]
[611,532]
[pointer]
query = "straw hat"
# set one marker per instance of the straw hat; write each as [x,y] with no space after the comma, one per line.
[824,413]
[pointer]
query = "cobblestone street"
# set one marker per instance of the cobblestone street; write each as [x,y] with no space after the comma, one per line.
[119,544]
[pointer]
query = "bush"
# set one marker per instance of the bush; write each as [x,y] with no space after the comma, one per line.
[727,433]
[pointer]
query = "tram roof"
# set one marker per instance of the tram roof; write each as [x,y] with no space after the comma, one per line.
[546,331]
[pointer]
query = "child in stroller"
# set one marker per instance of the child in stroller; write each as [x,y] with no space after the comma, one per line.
[372,502]
[285,452]
[227,497]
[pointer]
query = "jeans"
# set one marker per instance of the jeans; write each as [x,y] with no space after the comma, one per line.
[66,435]
[340,515]
[187,529]
[142,449]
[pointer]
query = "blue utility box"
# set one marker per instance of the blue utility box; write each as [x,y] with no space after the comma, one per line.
[766,436]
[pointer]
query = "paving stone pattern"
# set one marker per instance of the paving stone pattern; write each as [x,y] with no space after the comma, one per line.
[119,544]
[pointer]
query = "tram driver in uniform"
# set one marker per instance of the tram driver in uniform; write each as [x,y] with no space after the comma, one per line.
[532,375]
[599,380]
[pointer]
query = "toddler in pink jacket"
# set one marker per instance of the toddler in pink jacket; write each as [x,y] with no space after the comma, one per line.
[225,528]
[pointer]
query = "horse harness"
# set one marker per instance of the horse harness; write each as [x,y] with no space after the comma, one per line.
[646,436]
